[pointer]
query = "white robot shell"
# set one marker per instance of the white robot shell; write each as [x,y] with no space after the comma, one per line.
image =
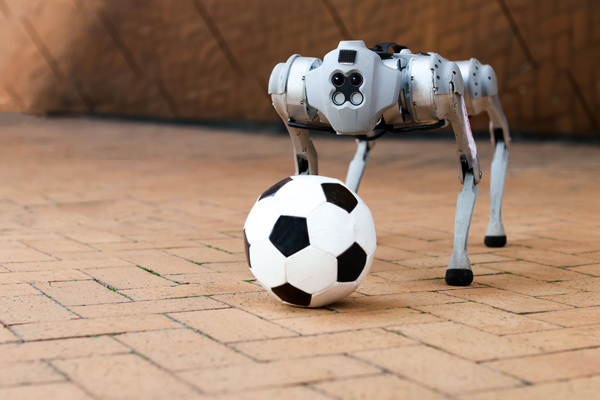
[379,88]
[309,240]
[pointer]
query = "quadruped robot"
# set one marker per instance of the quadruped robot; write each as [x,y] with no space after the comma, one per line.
[367,92]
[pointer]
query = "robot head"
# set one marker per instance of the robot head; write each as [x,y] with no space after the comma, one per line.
[352,88]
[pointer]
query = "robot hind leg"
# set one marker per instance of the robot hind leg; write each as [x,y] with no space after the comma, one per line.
[481,94]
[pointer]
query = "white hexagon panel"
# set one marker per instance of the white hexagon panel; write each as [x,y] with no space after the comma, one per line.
[300,197]
[331,229]
[311,270]
[267,264]
[364,227]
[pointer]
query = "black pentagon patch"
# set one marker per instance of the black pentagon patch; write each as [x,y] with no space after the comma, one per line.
[273,189]
[290,235]
[351,263]
[247,248]
[340,196]
[292,295]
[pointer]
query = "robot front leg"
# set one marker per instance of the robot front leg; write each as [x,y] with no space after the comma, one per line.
[459,271]
[358,163]
[304,151]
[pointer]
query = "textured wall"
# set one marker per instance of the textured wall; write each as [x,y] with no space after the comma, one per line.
[211,59]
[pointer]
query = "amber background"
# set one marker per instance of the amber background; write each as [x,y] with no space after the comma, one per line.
[211,59]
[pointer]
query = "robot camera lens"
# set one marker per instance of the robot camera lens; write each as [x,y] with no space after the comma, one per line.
[356,79]
[338,79]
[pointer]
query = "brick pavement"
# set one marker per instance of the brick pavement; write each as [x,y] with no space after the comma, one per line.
[122,272]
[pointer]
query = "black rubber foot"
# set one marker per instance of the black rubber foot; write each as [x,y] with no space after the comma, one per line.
[495,241]
[459,277]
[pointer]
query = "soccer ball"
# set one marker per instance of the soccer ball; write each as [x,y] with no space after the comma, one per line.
[309,240]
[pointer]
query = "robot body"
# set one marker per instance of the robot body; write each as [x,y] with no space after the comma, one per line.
[362,92]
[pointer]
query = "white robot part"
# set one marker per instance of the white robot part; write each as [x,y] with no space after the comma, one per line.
[367,92]
[352,88]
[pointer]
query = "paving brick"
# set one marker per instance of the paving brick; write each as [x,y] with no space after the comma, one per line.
[92,327]
[128,277]
[64,391]
[507,301]
[561,339]
[60,349]
[374,288]
[205,254]
[355,320]
[124,377]
[131,245]
[551,367]
[427,273]
[77,293]
[231,325]
[28,373]
[57,245]
[589,284]
[91,236]
[371,303]
[594,255]
[563,246]
[538,271]
[17,289]
[437,369]
[571,317]
[315,345]
[6,336]
[392,254]
[577,299]
[467,342]
[147,307]
[487,318]
[547,257]
[182,349]
[176,291]
[519,284]
[28,309]
[276,373]
[22,255]
[233,245]
[381,265]
[288,393]
[266,306]
[164,264]
[593,269]
[380,387]
[42,276]
[573,389]
[212,276]
[427,262]
[102,260]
